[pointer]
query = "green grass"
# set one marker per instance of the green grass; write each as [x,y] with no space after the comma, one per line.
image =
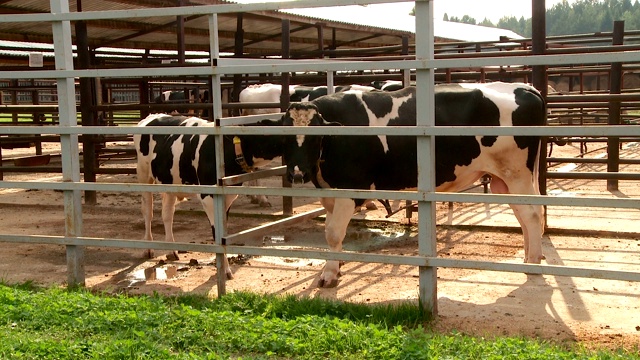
[55,323]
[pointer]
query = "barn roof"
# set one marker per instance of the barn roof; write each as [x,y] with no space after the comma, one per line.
[262,29]
[352,27]
[368,16]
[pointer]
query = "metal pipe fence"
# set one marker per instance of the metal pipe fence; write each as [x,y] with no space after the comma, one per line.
[424,65]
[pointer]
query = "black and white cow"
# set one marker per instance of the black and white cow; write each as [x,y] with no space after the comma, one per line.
[180,97]
[190,159]
[390,162]
[270,93]
[303,93]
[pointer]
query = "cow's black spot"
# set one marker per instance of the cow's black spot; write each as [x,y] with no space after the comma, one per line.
[144,144]
[458,106]
[531,111]
[378,105]
[488,141]
[185,164]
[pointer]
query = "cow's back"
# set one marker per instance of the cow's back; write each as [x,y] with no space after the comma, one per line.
[261,93]
[391,161]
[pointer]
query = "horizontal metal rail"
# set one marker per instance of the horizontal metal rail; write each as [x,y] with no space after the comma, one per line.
[258,174]
[591,161]
[593,175]
[329,255]
[58,169]
[231,66]
[263,229]
[597,202]
[556,130]
[592,98]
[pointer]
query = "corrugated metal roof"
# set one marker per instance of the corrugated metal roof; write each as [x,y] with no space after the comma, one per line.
[368,16]
[261,29]
[343,28]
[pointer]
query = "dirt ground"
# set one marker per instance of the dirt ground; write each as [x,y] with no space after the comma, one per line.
[596,312]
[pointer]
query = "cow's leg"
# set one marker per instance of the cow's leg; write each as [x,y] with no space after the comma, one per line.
[147,214]
[168,210]
[335,231]
[257,199]
[207,204]
[143,174]
[530,217]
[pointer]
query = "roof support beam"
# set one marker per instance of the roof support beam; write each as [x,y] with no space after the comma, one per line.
[147,31]
[320,27]
[270,37]
[182,48]
[285,96]
[355,41]
[87,100]
[238,50]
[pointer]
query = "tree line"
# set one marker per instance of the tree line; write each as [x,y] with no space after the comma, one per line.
[581,17]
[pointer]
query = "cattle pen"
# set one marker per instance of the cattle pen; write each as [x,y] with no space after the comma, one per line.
[423,63]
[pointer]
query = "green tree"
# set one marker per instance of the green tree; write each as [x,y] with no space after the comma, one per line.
[486,22]
[468,20]
[580,17]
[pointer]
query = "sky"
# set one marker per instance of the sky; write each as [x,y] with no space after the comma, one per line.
[477,9]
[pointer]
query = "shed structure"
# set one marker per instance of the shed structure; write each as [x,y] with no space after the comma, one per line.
[260,30]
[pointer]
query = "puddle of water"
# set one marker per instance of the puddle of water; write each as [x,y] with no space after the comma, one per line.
[291,262]
[358,239]
[273,239]
[371,238]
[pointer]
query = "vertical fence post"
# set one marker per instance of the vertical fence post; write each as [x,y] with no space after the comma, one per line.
[87,115]
[425,116]
[406,73]
[615,87]
[220,215]
[539,80]
[237,52]
[68,143]
[287,201]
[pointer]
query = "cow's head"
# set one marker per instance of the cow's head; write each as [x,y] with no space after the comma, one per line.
[302,152]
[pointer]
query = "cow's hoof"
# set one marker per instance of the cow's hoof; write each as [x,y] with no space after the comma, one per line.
[229,275]
[265,204]
[254,200]
[322,283]
[173,256]
[371,206]
[148,253]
